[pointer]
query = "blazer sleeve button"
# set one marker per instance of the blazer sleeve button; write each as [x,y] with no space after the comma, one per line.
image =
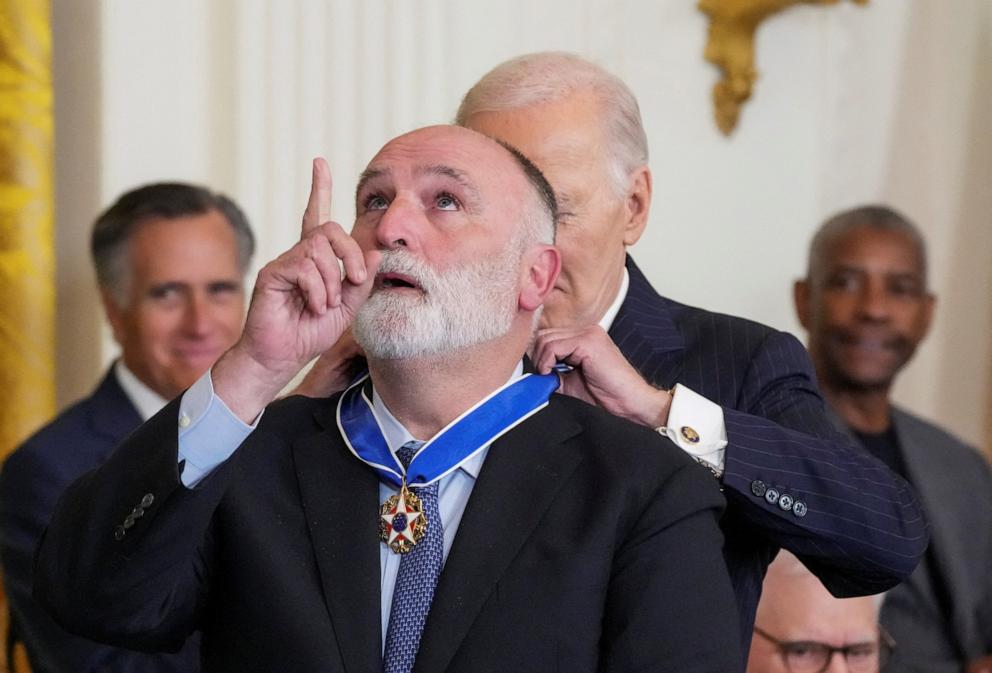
[147,500]
[799,509]
[758,488]
[119,533]
[785,502]
[771,496]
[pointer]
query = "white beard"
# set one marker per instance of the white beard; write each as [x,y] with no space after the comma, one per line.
[460,307]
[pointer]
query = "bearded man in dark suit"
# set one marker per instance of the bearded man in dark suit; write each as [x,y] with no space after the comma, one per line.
[518,530]
[737,396]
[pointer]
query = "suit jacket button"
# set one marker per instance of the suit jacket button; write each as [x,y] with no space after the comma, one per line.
[785,502]
[138,512]
[147,500]
[758,487]
[128,522]
[771,495]
[799,508]
[119,533]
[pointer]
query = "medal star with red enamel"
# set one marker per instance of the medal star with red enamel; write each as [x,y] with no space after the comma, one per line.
[402,522]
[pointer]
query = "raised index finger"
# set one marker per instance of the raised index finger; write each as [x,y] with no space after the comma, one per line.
[319,206]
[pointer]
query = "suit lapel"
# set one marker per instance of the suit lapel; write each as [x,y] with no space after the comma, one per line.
[645,332]
[522,475]
[340,497]
[923,469]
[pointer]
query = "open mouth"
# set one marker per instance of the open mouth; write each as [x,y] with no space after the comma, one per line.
[397,280]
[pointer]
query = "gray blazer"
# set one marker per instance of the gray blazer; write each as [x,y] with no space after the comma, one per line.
[955,485]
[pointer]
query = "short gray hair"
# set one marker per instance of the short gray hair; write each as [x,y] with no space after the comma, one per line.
[877,217]
[170,200]
[544,77]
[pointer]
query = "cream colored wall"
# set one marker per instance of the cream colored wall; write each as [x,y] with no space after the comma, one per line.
[887,102]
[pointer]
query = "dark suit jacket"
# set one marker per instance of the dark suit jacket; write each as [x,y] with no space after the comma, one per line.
[955,486]
[588,544]
[33,478]
[863,530]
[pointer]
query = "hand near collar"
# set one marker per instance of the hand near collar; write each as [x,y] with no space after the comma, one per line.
[301,305]
[601,374]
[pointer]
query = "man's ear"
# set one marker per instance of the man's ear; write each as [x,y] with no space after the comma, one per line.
[541,268]
[800,295]
[637,205]
[115,315]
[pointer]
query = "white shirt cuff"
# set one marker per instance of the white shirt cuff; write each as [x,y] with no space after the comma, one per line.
[209,432]
[696,425]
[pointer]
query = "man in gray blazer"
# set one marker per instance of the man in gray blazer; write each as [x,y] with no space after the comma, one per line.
[866,305]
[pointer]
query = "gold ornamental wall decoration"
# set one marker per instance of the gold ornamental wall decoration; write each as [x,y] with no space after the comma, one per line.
[730,46]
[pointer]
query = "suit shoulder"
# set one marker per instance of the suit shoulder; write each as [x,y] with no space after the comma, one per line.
[635,462]
[943,441]
[692,319]
[68,430]
[619,442]
[292,415]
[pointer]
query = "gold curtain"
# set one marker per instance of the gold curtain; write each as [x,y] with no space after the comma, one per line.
[27,284]
[27,287]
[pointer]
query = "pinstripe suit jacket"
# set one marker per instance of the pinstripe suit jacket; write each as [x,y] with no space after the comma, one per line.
[861,529]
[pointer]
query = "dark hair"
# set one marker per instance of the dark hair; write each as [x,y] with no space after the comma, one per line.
[877,217]
[169,200]
[545,192]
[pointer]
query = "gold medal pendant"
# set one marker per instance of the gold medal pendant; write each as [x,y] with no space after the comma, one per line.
[402,522]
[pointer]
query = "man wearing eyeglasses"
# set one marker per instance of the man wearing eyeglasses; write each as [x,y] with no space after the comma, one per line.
[801,628]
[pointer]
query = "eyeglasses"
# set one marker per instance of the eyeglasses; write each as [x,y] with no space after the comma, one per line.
[809,656]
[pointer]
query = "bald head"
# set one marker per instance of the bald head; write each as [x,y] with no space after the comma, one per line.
[470,152]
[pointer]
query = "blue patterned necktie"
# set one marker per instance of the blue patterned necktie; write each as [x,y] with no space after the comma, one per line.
[415,582]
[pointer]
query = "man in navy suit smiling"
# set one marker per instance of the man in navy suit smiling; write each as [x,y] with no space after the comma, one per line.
[170,260]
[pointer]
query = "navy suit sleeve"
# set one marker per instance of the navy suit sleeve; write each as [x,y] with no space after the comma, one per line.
[30,486]
[141,587]
[859,528]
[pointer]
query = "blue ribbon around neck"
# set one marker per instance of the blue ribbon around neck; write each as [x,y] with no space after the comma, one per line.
[461,439]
